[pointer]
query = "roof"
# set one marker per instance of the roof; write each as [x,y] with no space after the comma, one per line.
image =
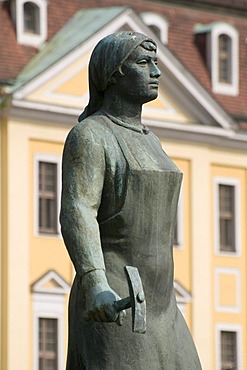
[182,16]
[67,39]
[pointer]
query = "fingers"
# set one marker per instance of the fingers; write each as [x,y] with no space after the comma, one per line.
[120,318]
[101,314]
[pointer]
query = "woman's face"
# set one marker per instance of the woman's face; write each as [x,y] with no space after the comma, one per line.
[139,82]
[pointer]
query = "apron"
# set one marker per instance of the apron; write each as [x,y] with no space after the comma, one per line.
[140,235]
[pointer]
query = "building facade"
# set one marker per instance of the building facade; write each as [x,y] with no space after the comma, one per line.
[200,117]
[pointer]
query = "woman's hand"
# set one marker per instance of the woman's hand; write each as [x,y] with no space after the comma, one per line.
[100,298]
[101,305]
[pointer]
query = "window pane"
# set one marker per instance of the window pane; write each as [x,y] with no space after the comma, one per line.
[31,18]
[225,59]
[227,217]
[48,197]
[228,350]
[48,345]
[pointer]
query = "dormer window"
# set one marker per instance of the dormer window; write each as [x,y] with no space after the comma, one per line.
[31,22]
[222,56]
[31,18]
[157,24]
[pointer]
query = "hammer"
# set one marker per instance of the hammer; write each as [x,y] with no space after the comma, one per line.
[136,300]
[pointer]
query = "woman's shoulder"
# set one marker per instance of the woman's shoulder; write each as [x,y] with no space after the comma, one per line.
[92,128]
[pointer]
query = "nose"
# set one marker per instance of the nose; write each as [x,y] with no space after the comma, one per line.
[155,71]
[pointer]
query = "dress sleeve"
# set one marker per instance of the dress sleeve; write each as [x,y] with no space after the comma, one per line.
[83,172]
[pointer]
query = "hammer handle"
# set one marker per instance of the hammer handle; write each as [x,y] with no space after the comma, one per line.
[123,304]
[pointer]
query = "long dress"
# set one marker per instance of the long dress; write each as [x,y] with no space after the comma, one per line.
[136,220]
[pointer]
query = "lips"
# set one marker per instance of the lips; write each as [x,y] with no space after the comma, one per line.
[154,83]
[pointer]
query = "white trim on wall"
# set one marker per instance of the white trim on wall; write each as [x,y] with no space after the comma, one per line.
[227,308]
[236,183]
[228,327]
[47,305]
[43,157]
[49,302]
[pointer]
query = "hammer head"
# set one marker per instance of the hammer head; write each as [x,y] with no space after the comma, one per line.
[137,299]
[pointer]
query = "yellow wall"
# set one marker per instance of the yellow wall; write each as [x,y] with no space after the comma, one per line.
[30,256]
[26,259]
[201,168]
[182,253]
[228,287]
[3,245]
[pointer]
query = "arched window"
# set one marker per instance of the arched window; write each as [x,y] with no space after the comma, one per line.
[222,55]
[31,22]
[31,18]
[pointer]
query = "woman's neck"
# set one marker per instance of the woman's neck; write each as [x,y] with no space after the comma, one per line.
[122,110]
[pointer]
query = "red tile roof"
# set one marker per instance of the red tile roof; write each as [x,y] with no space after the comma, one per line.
[182,42]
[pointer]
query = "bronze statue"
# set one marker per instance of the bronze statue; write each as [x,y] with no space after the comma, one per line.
[119,204]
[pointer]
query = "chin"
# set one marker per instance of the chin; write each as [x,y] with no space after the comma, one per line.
[151,97]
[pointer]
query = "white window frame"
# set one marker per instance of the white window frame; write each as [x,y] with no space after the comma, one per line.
[236,183]
[40,157]
[233,328]
[27,38]
[154,19]
[219,87]
[180,224]
[49,303]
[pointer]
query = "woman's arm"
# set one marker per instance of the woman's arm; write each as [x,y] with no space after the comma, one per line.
[83,179]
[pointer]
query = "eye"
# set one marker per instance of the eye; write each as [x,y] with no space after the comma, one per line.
[142,62]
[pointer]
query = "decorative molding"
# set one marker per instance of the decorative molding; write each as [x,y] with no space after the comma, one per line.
[51,282]
[182,297]
[227,308]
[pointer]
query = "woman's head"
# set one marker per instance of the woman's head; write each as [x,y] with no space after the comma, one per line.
[107,58]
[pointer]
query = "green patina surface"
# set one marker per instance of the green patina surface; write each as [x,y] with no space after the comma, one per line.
[79,28]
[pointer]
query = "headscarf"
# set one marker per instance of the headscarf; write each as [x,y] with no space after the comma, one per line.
[107,57]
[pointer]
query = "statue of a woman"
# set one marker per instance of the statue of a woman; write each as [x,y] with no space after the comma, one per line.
[119,204]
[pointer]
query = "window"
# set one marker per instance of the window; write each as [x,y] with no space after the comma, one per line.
[48,350]
[228,350]
[48,298]
[47,194]
[157,24]
[178,233]
[225,60]
[48,197]
[31,18]
[221,51]
[31,22]
[227,216]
